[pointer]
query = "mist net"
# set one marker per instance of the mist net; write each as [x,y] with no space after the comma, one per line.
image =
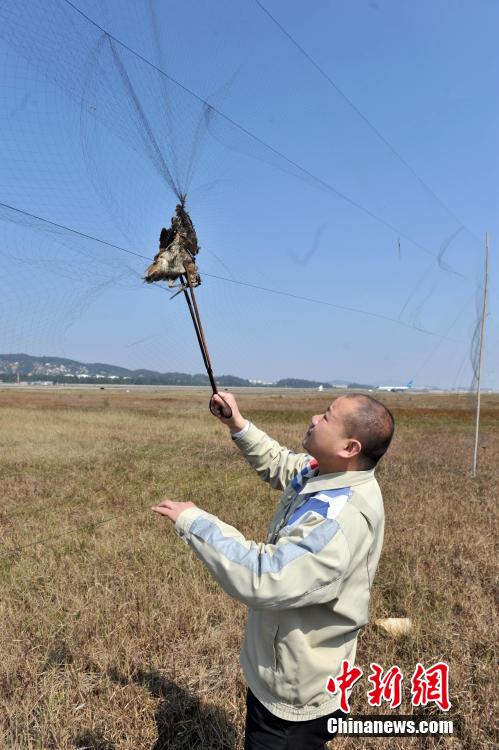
[322,254]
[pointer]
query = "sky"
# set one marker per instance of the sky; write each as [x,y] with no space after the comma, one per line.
[340,165]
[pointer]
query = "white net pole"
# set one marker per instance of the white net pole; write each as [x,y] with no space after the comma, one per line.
[480,355]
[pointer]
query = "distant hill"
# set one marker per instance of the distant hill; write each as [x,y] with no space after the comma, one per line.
[299,383]
[61,370]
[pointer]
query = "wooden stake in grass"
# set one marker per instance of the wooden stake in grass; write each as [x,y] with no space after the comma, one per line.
[480,355]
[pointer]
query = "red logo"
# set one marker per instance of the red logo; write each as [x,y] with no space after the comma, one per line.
[427,685]
[343,683]
[387,688]
[431,685]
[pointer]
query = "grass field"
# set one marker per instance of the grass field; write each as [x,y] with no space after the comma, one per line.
[114,637]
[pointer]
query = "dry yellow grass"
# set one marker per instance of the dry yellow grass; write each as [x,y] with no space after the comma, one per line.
[116,638]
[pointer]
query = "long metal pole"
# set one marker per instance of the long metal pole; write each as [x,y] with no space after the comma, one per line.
[200,339]
[198,327]
[480,356]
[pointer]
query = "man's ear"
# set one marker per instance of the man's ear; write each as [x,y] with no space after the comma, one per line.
[352,448]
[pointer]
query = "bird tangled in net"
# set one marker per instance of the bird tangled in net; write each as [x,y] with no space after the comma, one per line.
[178,247]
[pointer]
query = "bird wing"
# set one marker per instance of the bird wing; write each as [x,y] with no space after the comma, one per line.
[166,237]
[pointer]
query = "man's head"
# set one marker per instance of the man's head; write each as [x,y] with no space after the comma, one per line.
[352,434]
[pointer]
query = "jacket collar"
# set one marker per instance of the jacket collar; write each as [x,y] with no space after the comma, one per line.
[334,481]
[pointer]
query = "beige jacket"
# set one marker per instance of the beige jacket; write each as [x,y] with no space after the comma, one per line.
[308,586]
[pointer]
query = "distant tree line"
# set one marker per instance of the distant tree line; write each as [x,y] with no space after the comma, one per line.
[174,378]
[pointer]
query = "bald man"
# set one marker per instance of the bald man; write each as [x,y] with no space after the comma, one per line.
[307,587]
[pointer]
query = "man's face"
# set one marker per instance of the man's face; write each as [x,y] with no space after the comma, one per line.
[326,439]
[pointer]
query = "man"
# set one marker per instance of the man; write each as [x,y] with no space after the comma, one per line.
[308,587]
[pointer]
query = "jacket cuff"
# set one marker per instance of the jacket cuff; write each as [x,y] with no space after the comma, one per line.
[240,433]
[252,436]
[185,520]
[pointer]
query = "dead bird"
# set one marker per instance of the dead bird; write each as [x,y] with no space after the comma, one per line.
[178,247]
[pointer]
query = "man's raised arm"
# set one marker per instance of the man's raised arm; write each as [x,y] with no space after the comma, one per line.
[273,462]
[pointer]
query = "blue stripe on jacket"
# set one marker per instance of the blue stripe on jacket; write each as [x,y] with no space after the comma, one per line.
[319,506]
[256,560]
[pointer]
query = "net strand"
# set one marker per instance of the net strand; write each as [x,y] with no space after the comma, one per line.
[248,284]
[209,108]
[44,541]
[365,119]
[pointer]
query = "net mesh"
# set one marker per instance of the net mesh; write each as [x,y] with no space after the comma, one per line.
[102,135]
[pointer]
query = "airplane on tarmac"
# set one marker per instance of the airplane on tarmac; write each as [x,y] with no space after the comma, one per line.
[395,388]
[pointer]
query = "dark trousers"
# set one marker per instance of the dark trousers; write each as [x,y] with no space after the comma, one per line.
[264,731]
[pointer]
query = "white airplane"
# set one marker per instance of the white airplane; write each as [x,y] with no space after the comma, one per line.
[394,388]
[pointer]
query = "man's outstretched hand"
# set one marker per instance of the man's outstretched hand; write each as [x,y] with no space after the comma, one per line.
[237,421]
[171,509]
